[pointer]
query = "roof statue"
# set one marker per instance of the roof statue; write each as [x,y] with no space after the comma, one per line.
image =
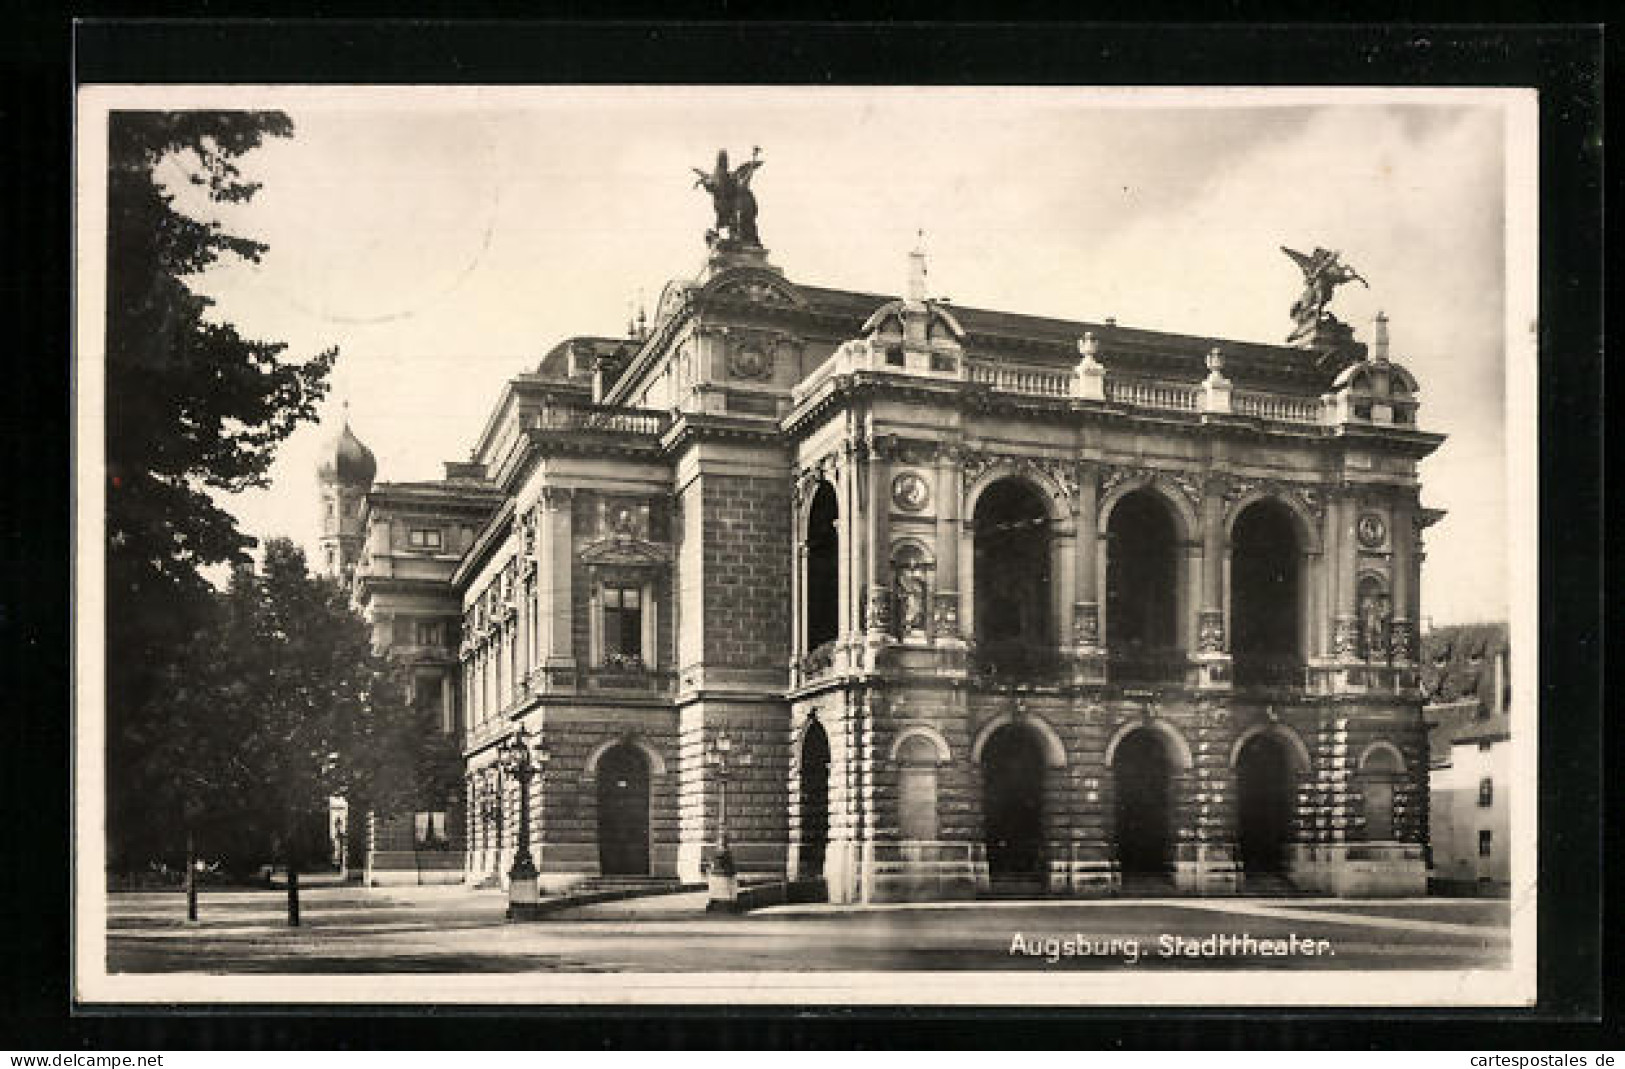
[1323,271]
[732,200]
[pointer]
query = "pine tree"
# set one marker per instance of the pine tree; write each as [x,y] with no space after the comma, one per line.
[192,406]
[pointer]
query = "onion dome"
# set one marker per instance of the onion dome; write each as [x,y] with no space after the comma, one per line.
[344,459]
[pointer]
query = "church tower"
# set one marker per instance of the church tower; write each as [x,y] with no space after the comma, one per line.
[345,472]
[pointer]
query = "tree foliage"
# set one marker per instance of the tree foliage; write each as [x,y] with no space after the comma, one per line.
[192,406]
[281,704]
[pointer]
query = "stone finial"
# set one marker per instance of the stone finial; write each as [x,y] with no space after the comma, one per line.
[1089,381]
[1089,348]
[917,271]
[1216,389]
[1379,348]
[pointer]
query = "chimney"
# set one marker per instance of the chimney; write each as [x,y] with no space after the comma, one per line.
[1379,351]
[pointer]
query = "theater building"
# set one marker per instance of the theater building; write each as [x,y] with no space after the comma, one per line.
[930,601]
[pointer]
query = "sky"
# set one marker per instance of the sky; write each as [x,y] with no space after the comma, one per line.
[445,241]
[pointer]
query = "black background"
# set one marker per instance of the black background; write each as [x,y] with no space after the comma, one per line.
[39,54]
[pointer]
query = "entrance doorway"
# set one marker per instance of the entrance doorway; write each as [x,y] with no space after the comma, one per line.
[1264,804]
[814,790]
[623,812]
[1013,801]
[1144,781]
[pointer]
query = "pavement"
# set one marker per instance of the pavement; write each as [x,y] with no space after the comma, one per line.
[458,930]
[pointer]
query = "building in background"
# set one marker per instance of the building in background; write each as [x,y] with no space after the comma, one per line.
[395,545]
[1469,714]
[925,601]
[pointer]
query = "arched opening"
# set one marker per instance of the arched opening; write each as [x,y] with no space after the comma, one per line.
[1264,805]
[1143,773]
[623,811]
[1264,579]
[1378,776]
[1014,629]
[917,789]
[823,577]
[814,797]
[1142,581]
[1013,802]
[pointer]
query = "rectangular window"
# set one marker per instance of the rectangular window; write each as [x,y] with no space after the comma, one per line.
[1486,844]
[1486,792]
[429,831]
[623,627]
[424,538]
[429,633]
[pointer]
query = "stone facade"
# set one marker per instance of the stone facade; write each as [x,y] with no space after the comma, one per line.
[927,602]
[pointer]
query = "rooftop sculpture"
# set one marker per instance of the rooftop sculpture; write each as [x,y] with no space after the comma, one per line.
[1323,271]
[731,199]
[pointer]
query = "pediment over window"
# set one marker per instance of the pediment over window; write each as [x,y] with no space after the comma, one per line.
[620,552]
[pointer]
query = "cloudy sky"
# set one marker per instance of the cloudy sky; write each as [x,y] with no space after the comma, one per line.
[444,241]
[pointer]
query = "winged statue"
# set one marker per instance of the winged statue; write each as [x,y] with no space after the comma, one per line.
[731,197]
[1323,271]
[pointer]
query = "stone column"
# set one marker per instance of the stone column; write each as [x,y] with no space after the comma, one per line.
[1345,619]
[1401,630]
[879,575]
[554,579]
[1086,599]
[798,589]
[945,601]
[853,576]
[1211,638]
[1212,868]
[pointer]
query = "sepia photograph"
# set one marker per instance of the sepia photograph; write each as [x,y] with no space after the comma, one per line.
[805,545]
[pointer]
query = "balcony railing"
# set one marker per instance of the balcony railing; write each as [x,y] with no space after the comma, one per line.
[1258,671]
[1011,661]
[1278,407]
[1143,393]
[1037,381]
[818,660]
[561,415]
[1147,667]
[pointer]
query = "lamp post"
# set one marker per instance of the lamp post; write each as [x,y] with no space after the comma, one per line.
[490,814]
[723,877]
[517,757]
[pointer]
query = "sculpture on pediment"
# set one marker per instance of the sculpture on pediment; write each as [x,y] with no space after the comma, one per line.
[731,198]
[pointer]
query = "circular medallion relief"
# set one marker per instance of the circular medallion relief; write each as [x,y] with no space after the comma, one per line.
[1371,530]
[750,362]
[908,491]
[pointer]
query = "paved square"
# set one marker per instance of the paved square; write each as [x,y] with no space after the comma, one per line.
[454,930]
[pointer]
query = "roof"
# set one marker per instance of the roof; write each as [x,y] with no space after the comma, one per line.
[346,459]
[1151,352]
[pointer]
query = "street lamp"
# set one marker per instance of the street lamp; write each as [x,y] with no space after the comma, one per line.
[723,875]
[517,757]
[490,814]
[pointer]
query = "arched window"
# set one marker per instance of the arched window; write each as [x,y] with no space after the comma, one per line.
[823,576]
[1380,772]
[917,789]
[1142,587]
[1264,584]
[1014,625]
[813,788]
